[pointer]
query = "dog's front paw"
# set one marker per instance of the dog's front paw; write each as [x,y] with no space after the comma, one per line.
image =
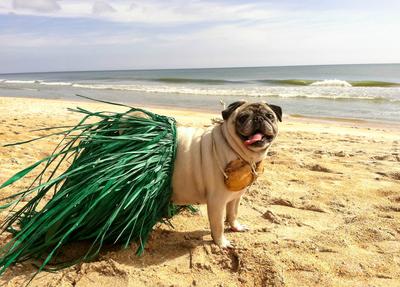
[237,227]
[223,243]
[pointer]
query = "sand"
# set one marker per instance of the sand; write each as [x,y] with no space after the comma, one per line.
[326,212]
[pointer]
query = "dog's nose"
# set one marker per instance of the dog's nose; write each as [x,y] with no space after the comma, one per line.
[258,122]
[258,119]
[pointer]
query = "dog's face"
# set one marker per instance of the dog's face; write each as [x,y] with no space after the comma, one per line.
[256,124]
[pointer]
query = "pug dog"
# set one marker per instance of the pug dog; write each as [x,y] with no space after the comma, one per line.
[203,155]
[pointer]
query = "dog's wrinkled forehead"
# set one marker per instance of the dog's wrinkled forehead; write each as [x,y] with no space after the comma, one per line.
[255,108]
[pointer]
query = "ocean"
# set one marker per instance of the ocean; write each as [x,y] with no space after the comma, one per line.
[364,91]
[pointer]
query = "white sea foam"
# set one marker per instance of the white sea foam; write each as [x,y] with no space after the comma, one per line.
[316,92]
[331,83]
[56,83]
[330,97]
[99,87]
[21,81]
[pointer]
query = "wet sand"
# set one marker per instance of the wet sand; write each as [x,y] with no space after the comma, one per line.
[326,211]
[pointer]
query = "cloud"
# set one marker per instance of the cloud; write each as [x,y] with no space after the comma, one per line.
[101,7]
[178,12]
[40,6]
[151,11]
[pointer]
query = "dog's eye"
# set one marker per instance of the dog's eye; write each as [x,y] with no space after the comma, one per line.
[243,118]
[270,116]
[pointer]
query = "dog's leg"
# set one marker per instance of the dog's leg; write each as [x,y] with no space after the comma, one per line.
[216,210]
[232,209]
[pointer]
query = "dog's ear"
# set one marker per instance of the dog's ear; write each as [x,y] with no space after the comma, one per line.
[231,108]
[277,110]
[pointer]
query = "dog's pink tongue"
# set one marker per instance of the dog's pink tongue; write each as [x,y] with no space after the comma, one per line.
[254,138]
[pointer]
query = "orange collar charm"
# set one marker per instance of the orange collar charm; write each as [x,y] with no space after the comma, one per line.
[239,174]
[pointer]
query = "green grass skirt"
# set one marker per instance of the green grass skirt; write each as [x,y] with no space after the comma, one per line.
[116,187]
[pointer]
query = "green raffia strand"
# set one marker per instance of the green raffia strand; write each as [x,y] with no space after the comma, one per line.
[116,188]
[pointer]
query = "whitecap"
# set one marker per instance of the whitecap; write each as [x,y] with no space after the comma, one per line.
[20,81]
[331,83]
[56,83]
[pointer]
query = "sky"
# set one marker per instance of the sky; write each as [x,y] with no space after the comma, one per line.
[68,35]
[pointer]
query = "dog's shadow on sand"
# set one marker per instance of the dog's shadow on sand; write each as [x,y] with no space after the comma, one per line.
[163,246]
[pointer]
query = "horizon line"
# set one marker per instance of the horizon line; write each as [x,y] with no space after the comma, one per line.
[196,68]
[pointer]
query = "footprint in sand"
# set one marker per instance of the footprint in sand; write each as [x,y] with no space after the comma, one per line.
[318,167]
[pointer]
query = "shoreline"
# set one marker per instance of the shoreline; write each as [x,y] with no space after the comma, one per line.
[292,117]
[349,121]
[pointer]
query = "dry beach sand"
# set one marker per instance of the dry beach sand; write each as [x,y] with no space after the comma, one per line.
[326,212]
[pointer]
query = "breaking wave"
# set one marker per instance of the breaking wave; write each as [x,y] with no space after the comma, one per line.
[331,83]
[21,81]
[55,83]
[287,82]
[195,81]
